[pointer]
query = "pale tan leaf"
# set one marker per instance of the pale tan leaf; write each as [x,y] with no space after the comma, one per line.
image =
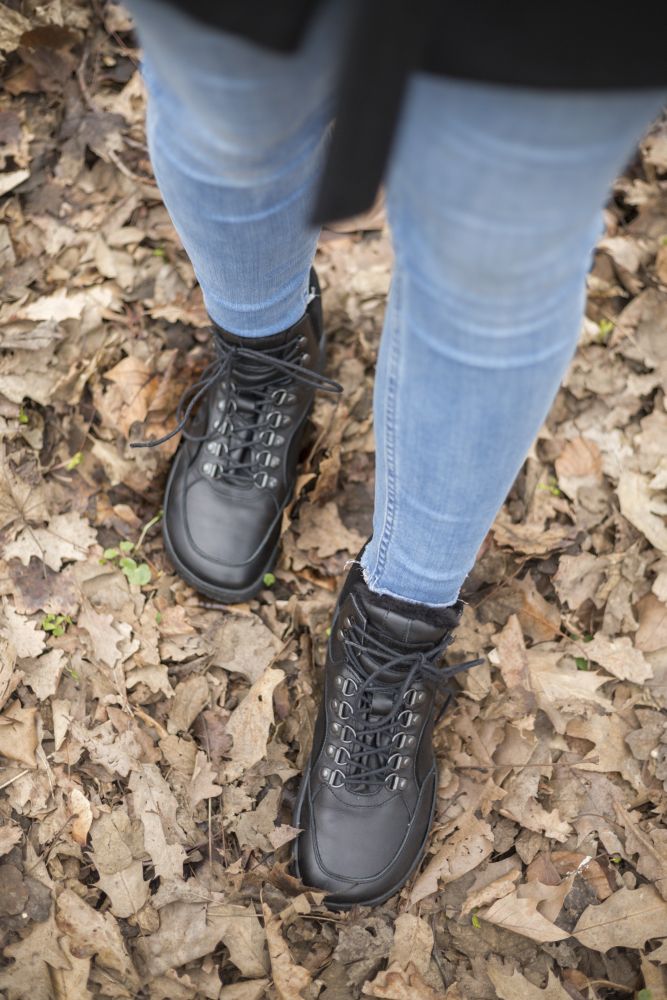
[249,725]
[289,978]
[203,785]
[471,842]
[522,916]
[242,645]
[155,805]
[190,697]
[94,933]
[10,677]
[628,919]
[18,734]
[619,657]
[10,835]
[397,983]
[413,942]
[637,501]
[517,987]
[66,538]
[81,816]
[22,632]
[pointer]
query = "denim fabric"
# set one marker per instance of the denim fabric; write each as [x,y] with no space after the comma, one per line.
[494,197]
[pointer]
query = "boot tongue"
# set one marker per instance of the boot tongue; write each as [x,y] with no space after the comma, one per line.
[403,625]
[409,623]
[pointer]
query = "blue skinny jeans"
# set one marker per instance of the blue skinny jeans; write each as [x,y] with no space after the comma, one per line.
[494,198]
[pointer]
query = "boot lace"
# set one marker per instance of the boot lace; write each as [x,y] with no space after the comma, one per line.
[371,748]
[249,406]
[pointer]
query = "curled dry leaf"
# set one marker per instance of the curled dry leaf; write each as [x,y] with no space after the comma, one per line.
[413,942]
[619,657]
[81,814]
[514,986]
[94,933]
[118,850]
[155,805]
[290,979]
[471,842]
[18,734]
[398,983]
[249,725]
[638,504]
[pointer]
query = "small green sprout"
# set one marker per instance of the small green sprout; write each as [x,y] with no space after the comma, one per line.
[75,460]
[56,624]
[139,573]
[605,326]
[23,416]
[474,920]
[268,579]
[582,663]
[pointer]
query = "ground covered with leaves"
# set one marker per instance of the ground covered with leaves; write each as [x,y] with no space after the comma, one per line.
[151,741]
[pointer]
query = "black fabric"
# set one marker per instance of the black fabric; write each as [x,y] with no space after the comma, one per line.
[567,45]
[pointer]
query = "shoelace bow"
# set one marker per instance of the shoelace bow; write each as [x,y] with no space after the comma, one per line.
[221,371]
[373,740]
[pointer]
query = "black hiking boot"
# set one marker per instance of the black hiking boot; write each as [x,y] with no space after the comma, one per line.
[235,469]
[368,792]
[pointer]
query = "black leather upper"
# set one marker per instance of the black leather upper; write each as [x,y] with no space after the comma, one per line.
[234,471]
[368,792]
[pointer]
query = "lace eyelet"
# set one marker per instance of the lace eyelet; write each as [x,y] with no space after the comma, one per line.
[267,437]
[345,710]
[305,358]
[279,396]
[261,479]
[336,779]
[392,782]
[342,755]
[343,736]
[210,469]
[349,686]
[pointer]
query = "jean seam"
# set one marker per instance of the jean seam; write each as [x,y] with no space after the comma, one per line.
[391,472]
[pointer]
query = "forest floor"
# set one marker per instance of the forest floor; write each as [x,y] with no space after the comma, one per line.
[151,741]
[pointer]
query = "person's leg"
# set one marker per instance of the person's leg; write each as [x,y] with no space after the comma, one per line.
[495,198]
[237,137]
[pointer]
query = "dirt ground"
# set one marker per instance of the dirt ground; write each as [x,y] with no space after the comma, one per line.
[151,741]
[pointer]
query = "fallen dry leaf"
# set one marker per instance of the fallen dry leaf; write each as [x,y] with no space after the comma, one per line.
[249,725]
[290,979]
[627,919]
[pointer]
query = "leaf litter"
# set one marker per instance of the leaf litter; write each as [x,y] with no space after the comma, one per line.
[151,740]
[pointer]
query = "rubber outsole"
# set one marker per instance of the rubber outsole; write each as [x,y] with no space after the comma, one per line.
[377,900]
